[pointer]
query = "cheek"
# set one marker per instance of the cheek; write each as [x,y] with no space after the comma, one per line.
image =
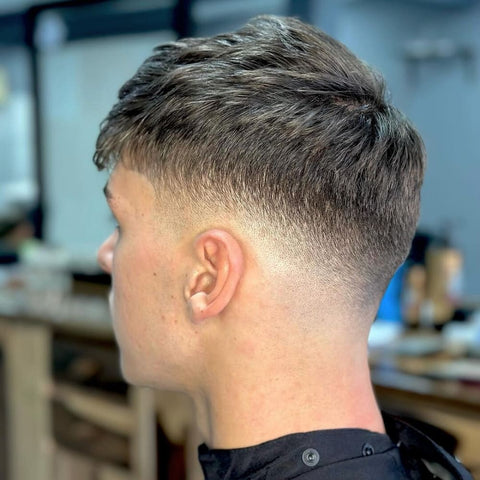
[134,271]
[134,328]
[143,296]
[134,297]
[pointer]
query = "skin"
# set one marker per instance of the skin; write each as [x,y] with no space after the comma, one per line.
[201,305]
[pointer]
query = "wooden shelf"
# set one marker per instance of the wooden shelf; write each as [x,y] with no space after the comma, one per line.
[59,429]
[71,465]
[102,409]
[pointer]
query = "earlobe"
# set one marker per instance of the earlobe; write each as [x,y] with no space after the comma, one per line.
[219,268]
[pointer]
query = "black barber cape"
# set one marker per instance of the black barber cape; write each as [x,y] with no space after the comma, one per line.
[343,454]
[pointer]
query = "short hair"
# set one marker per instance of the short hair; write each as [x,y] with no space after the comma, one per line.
[284,124]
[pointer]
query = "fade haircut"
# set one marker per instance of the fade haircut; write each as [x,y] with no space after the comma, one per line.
[282,124]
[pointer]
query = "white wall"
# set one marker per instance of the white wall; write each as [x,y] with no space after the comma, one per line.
[80,82]
[17,172]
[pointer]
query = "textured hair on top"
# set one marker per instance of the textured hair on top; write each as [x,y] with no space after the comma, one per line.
[284,124]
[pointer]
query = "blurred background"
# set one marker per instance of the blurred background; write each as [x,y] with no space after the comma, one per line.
[65,413]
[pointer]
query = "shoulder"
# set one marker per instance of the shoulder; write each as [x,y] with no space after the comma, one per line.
[421,456]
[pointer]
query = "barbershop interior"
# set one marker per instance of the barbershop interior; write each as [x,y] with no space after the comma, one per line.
[65,410]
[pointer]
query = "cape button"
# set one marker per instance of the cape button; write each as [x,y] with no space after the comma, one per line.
[367,450]
[310,457]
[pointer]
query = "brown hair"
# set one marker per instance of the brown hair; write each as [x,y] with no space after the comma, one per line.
[283,123]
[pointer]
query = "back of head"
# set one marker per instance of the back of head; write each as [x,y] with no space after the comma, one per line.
[280,125]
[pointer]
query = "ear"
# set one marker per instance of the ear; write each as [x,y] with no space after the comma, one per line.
[217,273]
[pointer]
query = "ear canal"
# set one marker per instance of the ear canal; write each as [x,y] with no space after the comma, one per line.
[205,283]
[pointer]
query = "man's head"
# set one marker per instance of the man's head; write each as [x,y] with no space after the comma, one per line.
[277,134]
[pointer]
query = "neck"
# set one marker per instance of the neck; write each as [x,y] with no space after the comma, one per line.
[261,395]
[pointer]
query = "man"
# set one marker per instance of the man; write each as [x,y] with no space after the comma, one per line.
[265,193]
